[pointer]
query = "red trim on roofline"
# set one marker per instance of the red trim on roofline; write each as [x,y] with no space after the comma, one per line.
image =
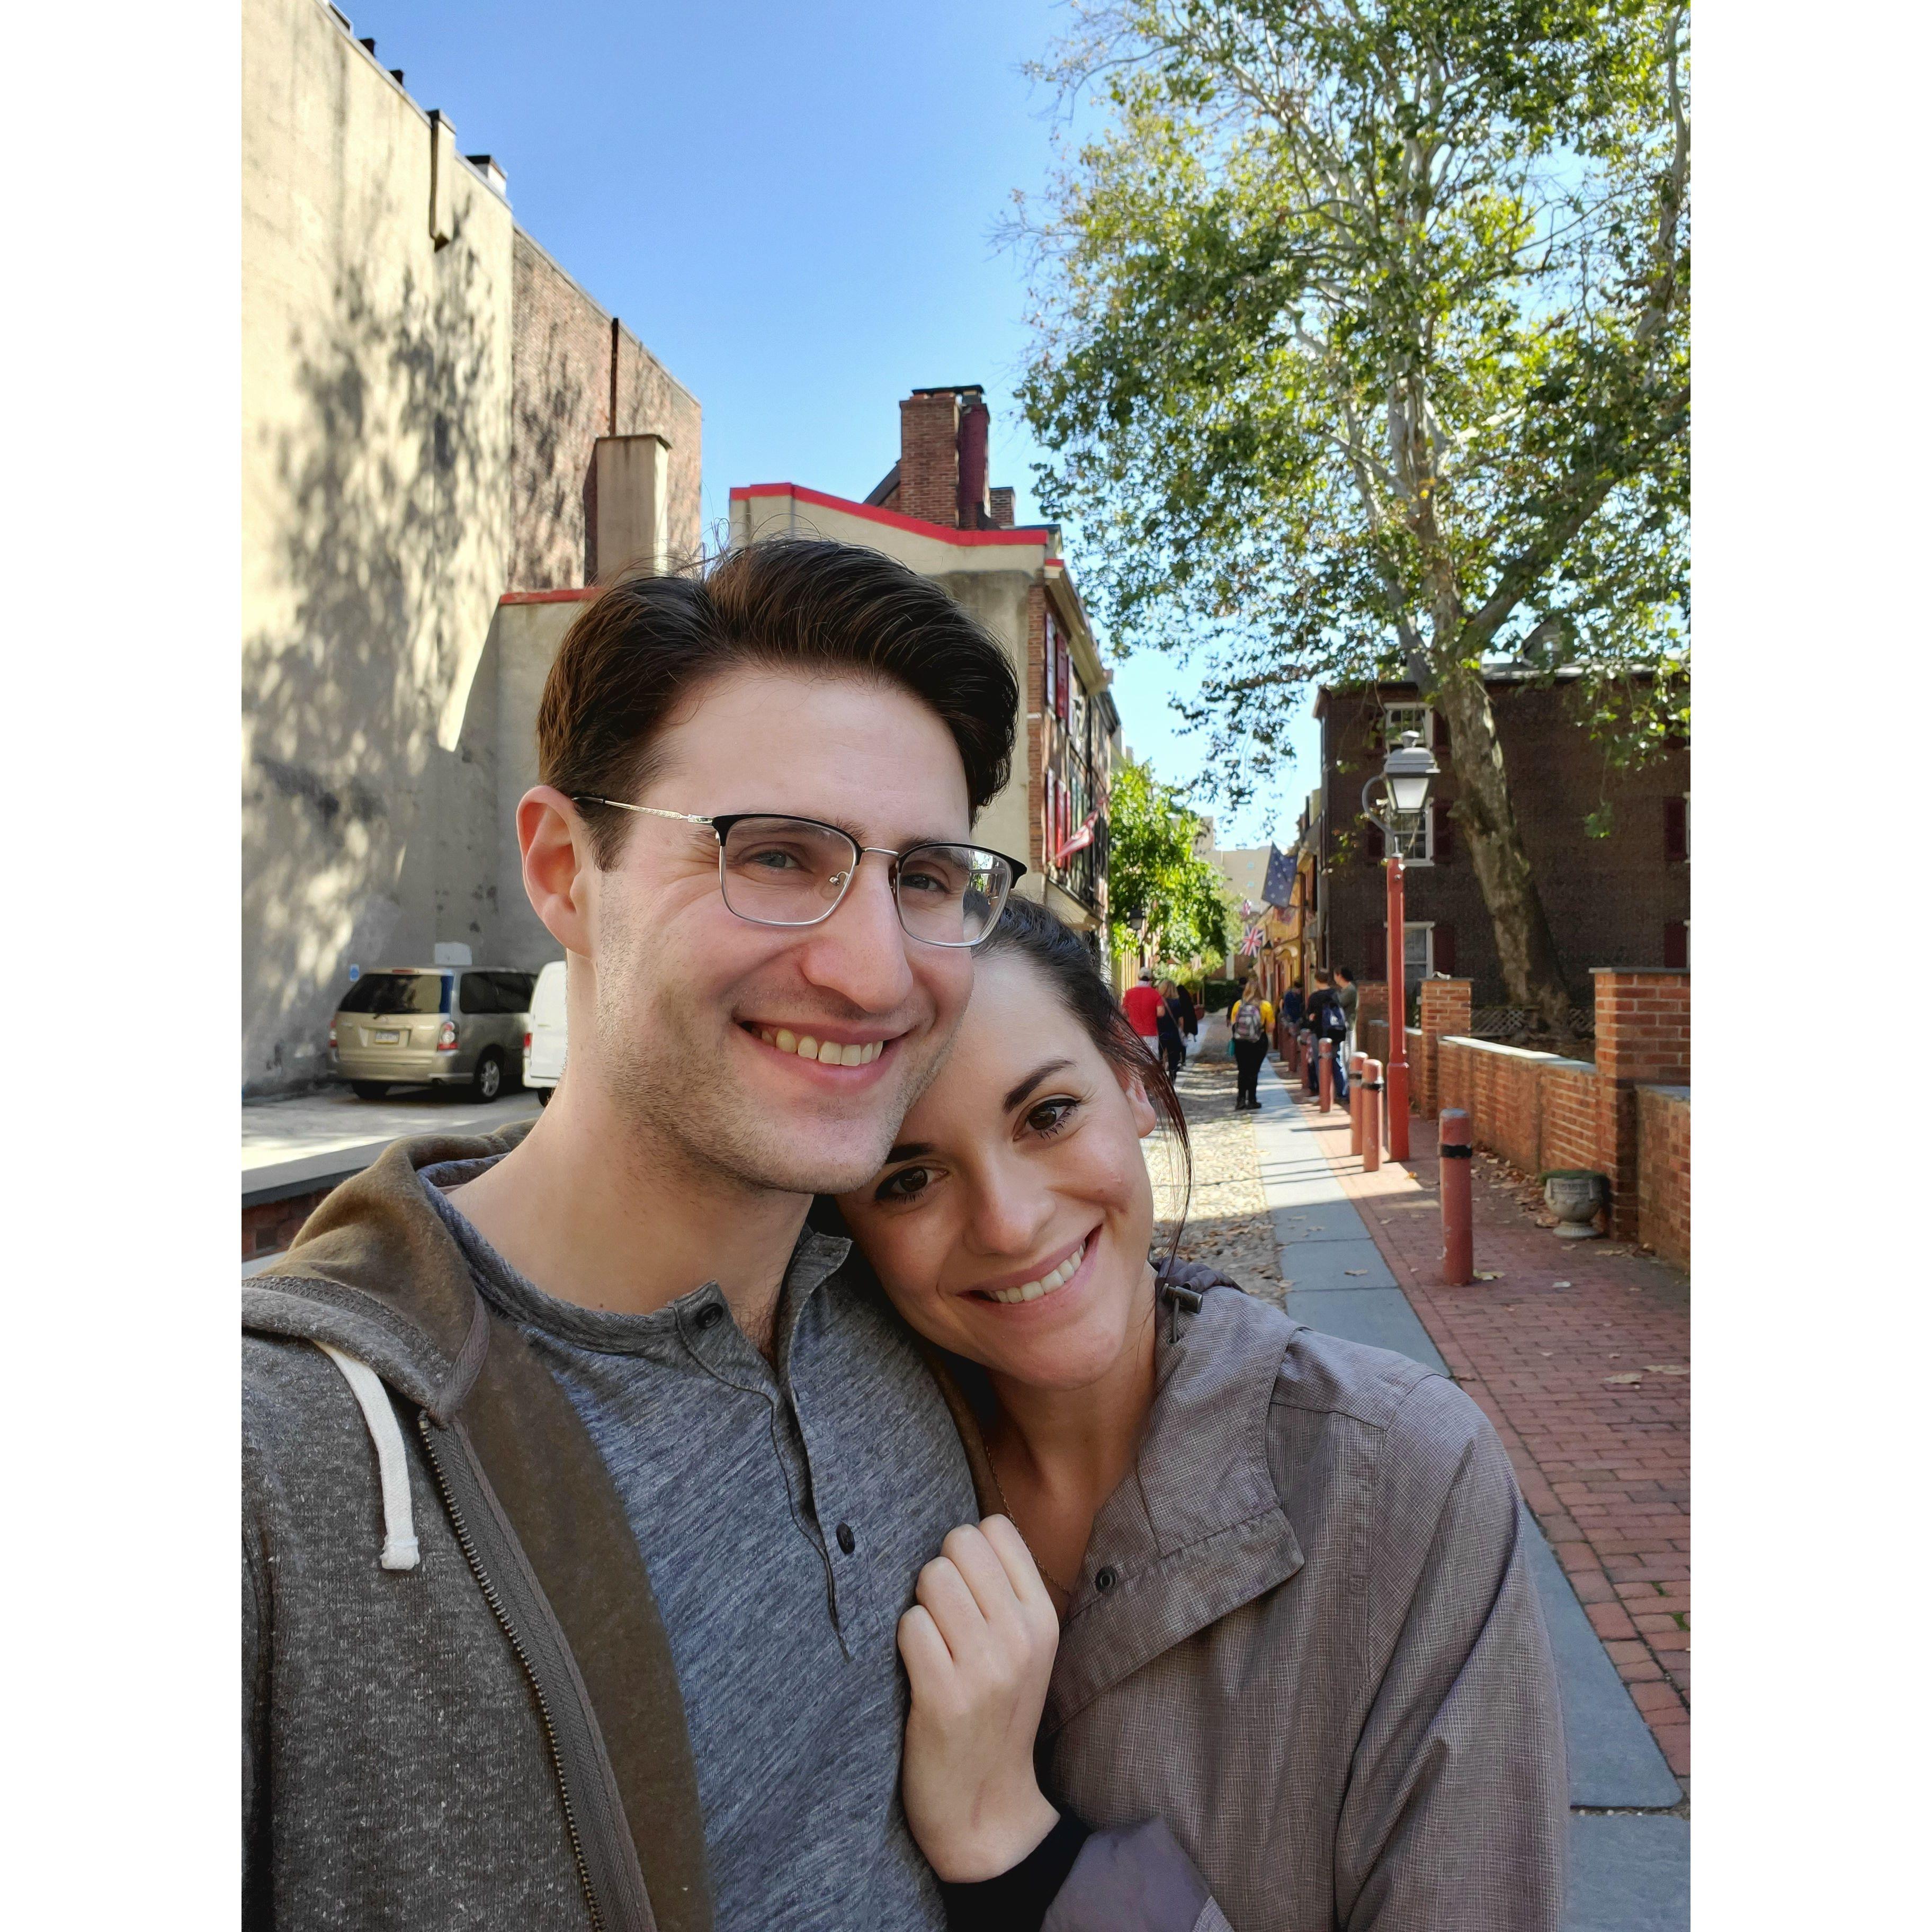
[1028,533]
[548,596]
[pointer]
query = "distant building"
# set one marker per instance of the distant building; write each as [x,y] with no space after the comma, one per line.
[445,440]
[937,511]
[1621,899]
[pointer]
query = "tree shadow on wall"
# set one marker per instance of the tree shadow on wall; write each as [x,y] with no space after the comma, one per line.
[389,493]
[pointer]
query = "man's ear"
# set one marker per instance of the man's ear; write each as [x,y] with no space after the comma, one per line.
[558,866]
[1145,1119]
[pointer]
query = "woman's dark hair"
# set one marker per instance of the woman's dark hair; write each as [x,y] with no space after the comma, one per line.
[788,604]
[1059,955]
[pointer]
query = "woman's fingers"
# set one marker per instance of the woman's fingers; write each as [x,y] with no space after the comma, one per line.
[1015,1559]
[953,1608]
[974,1556]
[927,1661]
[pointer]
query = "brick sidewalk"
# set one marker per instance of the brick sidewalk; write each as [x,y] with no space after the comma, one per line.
[1578,1353]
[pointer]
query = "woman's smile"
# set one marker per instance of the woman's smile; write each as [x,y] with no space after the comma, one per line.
[1062,1273]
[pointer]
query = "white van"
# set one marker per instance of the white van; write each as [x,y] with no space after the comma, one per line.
[544,1044]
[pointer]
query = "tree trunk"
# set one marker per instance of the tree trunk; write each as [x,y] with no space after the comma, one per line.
[1532,973]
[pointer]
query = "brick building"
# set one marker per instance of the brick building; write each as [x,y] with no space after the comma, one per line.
[445,439]
[1622,899]
[937,511]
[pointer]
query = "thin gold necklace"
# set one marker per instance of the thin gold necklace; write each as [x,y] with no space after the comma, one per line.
[999,1489]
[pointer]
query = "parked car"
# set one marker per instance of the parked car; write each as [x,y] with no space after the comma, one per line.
[544,1044]
[446,1026]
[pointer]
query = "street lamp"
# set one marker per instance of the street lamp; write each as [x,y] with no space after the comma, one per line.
[1406,772]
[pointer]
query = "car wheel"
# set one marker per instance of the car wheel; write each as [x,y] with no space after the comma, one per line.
[489,1080]
[370,1090]
[544,1094]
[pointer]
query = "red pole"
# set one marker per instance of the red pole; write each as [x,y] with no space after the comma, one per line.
[1356,1063]
[1371,1116]
[1327,1076]
[1398,1059]
[1458,1241]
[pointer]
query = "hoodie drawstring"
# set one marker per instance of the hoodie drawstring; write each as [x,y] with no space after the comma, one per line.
[399,1550]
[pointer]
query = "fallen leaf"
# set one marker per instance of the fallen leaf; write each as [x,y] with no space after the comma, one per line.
[1354,1271]
[1622,1380]
[1560,1284]
[1481,1276]
[1669,1369]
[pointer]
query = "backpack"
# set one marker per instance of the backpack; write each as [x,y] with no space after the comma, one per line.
[1327,1020]
[1247,1020]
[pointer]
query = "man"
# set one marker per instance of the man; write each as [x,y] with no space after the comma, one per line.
[1173,1041]
[582,1492]
[1327,1020]
[1141,1003]
[1345,993]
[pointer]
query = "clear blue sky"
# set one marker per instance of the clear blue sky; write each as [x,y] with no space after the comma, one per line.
[794,207]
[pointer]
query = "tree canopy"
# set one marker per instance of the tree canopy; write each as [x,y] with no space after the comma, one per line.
[1154,871]
[1362,346]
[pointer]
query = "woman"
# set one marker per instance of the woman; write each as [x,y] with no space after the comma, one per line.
[1173,1046]
[1250,1019]
[1302,1680]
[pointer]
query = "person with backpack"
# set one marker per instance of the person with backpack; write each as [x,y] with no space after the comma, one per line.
[1249,1020]
[1328,1019]
[1173,1043]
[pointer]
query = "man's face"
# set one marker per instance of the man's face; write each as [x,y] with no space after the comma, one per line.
[686,990]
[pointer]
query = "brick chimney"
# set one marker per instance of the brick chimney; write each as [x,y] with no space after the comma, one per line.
[929,456]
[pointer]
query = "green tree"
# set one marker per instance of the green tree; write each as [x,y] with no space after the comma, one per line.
[1362,349]
[1154,873]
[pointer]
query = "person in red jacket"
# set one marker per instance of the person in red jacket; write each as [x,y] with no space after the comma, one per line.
[1142,1005]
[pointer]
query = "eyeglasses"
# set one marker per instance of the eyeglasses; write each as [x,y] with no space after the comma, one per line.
[794,872]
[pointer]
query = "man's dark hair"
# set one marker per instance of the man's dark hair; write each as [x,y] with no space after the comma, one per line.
[1347,973]
[788,604]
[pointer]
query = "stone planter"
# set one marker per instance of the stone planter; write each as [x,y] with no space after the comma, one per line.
[1573,1194]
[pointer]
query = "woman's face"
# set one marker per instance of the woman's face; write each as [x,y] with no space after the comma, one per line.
[1011,1222]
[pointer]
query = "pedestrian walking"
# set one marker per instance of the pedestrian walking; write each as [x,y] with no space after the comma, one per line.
[1173,1040]
[1141,1002]
[1294,1006]
[1190,1021]
[1327,1019]
[1248,1020]
[1345,992]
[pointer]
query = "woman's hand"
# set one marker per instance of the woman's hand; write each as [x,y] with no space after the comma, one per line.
[979,1647]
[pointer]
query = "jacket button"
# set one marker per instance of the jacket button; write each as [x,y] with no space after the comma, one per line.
[1105,1578]
[848,1541]
[709,1315]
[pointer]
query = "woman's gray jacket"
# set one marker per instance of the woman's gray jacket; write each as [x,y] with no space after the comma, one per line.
[1304,1682]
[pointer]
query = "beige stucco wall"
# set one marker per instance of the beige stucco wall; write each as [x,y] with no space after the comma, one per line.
[990,580]
[376,407]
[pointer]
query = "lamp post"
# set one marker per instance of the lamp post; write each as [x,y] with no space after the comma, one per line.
[1406,772]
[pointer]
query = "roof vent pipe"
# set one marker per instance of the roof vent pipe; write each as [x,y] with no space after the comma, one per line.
[975,421]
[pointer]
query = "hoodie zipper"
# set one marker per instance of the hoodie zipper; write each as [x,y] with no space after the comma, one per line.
[500,1611]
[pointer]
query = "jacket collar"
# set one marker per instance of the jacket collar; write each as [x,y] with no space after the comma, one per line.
[1197,1529]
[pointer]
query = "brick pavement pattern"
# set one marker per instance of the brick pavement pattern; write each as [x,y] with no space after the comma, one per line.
[1578,1353]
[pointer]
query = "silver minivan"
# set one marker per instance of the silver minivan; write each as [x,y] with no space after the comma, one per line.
[441,1025]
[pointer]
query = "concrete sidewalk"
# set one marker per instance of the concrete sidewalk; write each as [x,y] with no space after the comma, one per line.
[1630,1846]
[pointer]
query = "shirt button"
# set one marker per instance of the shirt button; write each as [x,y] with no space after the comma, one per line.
[1105,1579]
[709,1315]
[848,1541]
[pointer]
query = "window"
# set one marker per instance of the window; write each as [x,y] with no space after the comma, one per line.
[1677,942]
[1063,675]
[1417,954]
[479,993]
[397,993]
[513,990]
[1397,718]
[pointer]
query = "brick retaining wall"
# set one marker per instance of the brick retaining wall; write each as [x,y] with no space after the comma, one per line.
[268,1226]
[1664,1172]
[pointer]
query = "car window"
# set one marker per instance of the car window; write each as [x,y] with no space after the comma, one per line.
[479,993]
[397,993]
[513,990]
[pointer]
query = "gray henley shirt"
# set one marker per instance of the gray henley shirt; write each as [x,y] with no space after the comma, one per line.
[783,1511]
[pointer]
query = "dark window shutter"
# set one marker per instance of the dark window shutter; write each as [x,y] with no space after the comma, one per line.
[1374,953]
[1445,834]
[1372,842]
[1675,845]
[1676,943]
[1445,946]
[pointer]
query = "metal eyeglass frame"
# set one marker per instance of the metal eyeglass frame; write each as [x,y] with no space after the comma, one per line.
[721,827]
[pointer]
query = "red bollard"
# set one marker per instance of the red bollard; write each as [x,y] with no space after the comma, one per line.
[1356,1063]
[1307,1056]
[1372,1117]
[1327,1076]
[1458,1239]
